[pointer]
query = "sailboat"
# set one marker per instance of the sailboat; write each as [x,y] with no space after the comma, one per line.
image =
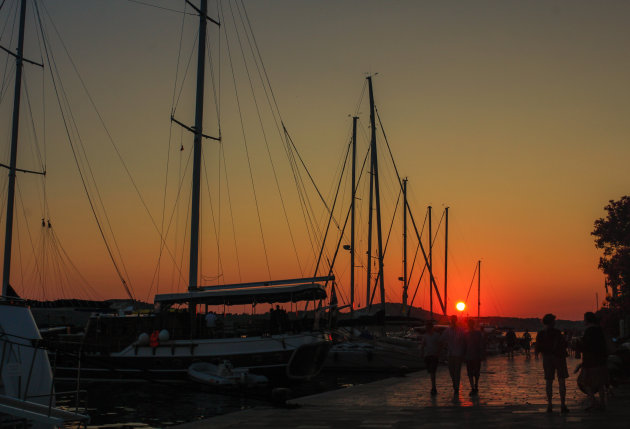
[165,344]
[27,395]
[371,349]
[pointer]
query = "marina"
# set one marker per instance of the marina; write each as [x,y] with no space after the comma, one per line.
[181,252]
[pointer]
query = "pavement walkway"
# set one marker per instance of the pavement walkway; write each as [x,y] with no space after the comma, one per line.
[511,395]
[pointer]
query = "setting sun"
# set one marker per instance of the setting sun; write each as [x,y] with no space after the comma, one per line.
[460,306]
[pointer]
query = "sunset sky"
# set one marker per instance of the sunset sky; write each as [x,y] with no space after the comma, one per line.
[511,113]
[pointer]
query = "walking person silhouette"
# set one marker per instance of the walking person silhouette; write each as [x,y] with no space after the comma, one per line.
[454,338]
[475,353]
[431,352]
[553,346]
[527,343]
[594,356]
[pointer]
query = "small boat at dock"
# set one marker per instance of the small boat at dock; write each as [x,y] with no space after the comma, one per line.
[224,375]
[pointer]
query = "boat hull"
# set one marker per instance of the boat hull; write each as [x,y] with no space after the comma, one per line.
[169,361]
[373,356]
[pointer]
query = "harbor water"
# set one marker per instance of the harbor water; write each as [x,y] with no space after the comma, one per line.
[155,405]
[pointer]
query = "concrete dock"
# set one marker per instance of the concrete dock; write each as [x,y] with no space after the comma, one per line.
[511,395]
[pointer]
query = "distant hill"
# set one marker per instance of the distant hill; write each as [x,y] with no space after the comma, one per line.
[518,324]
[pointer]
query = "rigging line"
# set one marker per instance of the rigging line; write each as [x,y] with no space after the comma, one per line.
[214,224]
[37,149]
[183,281]
[262,64]
[271,101]
[495,301]
[343,162]
[410,213]
[303,208]
[93,183]
[64,254]
[168,229]
[343,169]
[307,171]
[38,153]
[13,12]
[75,128]
[227,187]
[471,282]
[181,89]
[275,113]
[301,191]
[54,267]
[20,257]
[168,157]
[257,59]
[8,63]
[251,175]
[265,139]
[177,218]
[426,215]
[9,67]
[39,42]
[165,194]
[213,80]
[268,91]
[367,154]
[179,55]
[437,229]
[308,210]
[417,286]
[278,108]
[415,255]
[143,3]
[75,155]
[102,121]
[341,236]
[307,207]
[363,90]
[219,210]
[332,264]
[217,93]
[30,237]
[389,234]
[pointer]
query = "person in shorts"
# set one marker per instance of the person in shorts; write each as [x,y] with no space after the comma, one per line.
[454,339]
[475,353]
[431,351]
[553,346]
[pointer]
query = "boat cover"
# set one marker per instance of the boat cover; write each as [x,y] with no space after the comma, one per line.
[247,295]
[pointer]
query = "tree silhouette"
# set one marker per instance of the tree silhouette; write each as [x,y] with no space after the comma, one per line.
[613,236]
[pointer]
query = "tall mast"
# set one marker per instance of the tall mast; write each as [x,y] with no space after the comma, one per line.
[196,179]
[352,206]
[405,279]
[479,289]
[13,161]
[379,231]
[445,256]
[429,209]
[369,243]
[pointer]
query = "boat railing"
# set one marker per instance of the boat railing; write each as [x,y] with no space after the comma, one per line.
[23,405]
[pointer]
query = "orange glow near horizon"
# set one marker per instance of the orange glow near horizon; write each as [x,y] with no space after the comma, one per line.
[481,114]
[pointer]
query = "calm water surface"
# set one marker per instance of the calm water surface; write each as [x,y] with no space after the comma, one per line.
[155,405]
